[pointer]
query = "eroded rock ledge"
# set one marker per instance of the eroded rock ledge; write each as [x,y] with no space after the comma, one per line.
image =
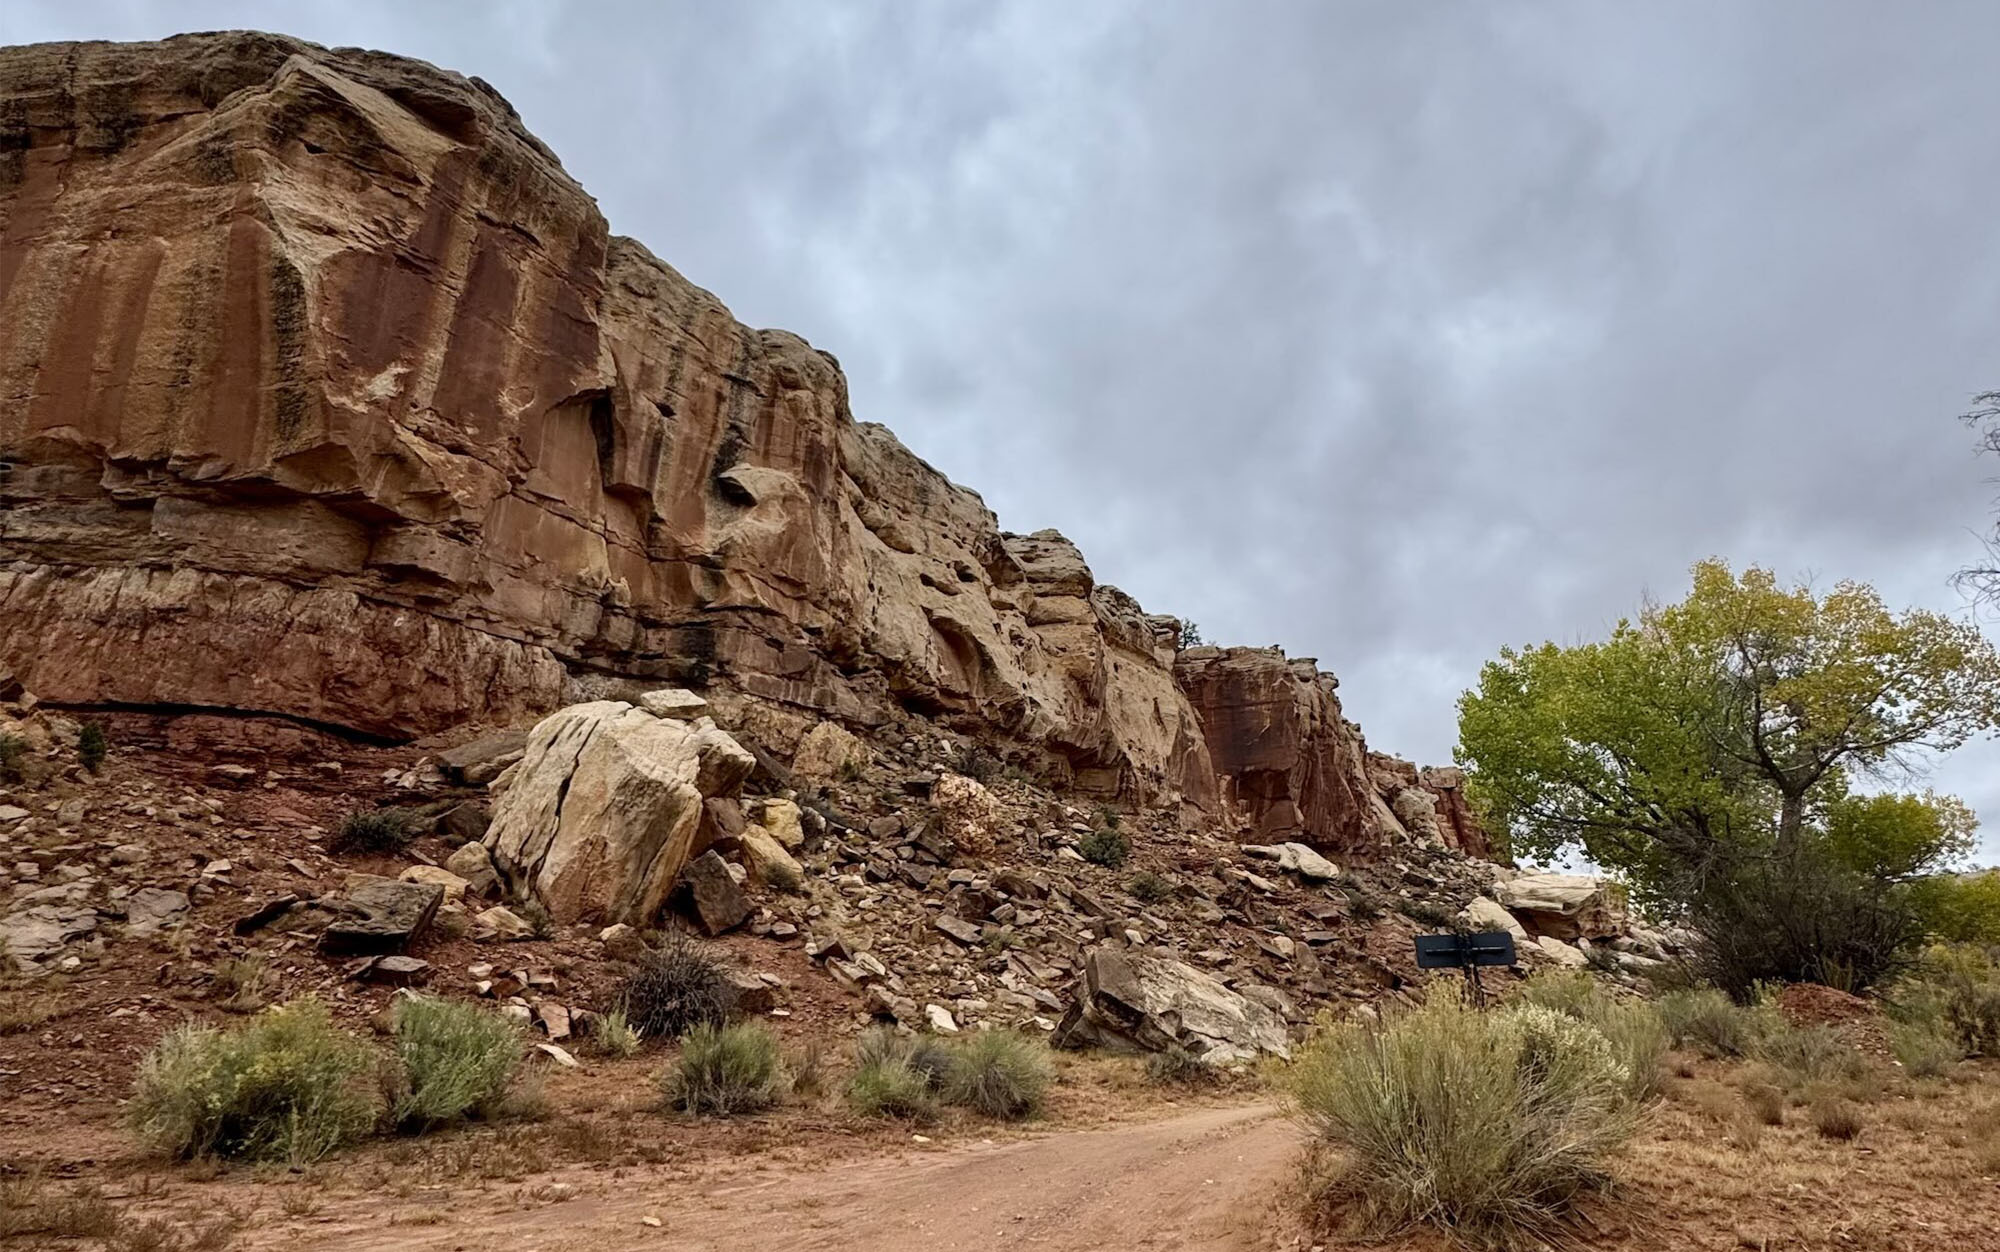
[325,392]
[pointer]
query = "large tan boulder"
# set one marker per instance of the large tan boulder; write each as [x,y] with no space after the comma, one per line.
[1565,906]
[1485,914]
[600,816]
[1131,1001]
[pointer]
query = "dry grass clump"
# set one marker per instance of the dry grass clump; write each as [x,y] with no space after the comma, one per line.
[1811,1056]
[1000,1073]
[287,1086]
[378,832]
[1489,1125]
[1711,1023]
[725,1070]
[1836,1119]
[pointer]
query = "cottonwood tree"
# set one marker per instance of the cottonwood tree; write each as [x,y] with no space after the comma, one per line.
[1735,719]
[1708,750]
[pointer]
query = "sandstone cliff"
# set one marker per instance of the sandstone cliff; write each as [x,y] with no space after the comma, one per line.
[326,393]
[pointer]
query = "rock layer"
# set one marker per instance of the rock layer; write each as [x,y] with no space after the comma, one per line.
[326,393]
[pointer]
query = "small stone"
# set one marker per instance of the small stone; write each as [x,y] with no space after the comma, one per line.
[151,909]
[940,1019]
[231,775]
[622,942]
[650,1220]
[11,813]
[958,928]
[555,1019]
[396,971]
[715,893]
[501,923]
[131,854]
[554,1052]
[454,886]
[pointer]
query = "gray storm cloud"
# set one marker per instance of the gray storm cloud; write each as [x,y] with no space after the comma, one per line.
[1391,333]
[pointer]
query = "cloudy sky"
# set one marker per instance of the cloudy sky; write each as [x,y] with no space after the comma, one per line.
[1392,333]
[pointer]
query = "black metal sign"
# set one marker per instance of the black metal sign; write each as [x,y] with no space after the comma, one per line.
[1467,952]
[1492,947]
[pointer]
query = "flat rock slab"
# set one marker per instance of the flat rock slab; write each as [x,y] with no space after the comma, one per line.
[379,915]
[27,935]
[151,909]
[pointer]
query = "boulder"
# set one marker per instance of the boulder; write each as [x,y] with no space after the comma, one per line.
[1416,810]
[31,934]
[474,865]
[378,915]
[767,861]
[828,753]
[622,942]
[714,897]
[501,924]
[1132,1001]
[1485,914]
[1308,864]
[454,886]
[601,815]
[1565,906]
[784,823]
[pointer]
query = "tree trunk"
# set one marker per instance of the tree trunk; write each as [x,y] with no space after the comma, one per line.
[1791,821]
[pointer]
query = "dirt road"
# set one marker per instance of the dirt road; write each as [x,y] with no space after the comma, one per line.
[1206,1180]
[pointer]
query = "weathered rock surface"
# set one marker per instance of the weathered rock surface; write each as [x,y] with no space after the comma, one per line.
[601,814]
[1565,906]
[1134,1001]
[1289,762]
[327,390]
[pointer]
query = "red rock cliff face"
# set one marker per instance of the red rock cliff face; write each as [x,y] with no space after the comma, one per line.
[325,392]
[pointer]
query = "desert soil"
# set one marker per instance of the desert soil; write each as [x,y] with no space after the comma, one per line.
[1208,1179]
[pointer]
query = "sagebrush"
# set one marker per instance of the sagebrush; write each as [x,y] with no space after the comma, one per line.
[725,1070]
[1489,1125]
[1000,1073]
[457,1060]
[287,1085]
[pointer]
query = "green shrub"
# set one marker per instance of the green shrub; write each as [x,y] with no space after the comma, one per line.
[725,1070]
[287,1086]
[889,1086]
[1178,1067]
[679,985]
[13,759]
[1713,1024]
[1572,993]
[1635,1029]
[456,1060]
[91,746]
[378,832]
[1490,1125]
[1802,918]
[1810,1056]
[1924,1049]
[1956,988]
[927,1054]
[1149,888]
[614,1036]
[1000,1073]
[1105,846]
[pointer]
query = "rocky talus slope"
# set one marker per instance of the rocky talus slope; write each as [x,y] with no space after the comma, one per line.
[326,394]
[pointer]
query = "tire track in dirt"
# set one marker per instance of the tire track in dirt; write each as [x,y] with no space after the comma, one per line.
[1205,1181]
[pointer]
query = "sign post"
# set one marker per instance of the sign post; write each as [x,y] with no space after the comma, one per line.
[1469,952]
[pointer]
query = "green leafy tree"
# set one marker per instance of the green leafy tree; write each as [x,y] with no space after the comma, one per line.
[1732,723]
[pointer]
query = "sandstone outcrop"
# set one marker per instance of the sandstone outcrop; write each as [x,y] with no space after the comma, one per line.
[327,391]
[600,817]
[1132,1001]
